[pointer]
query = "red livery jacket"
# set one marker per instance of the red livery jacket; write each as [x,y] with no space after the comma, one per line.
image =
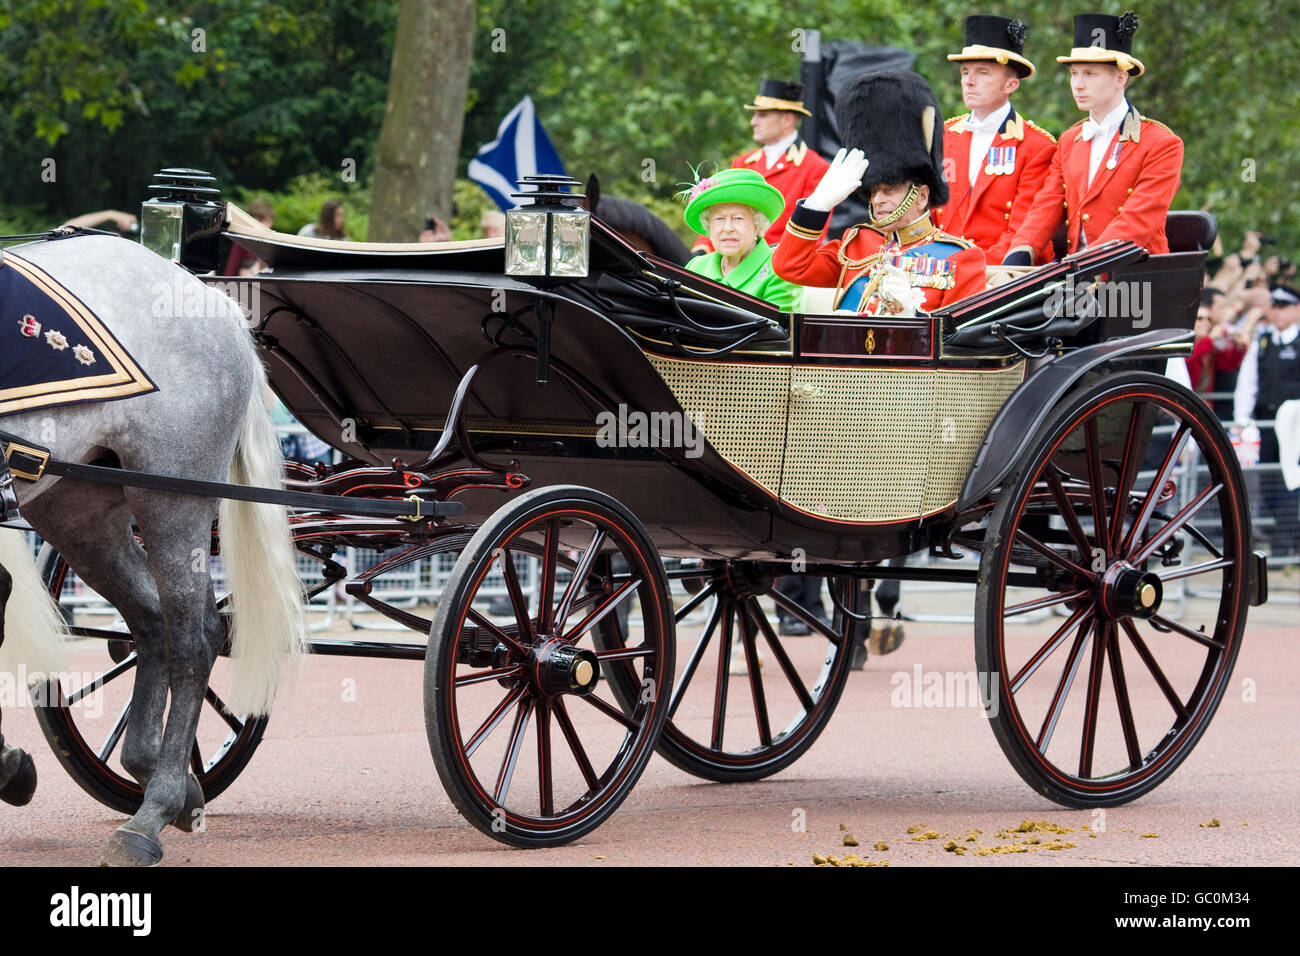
[1129,197]
[796,175]
[946,267]
[990,212]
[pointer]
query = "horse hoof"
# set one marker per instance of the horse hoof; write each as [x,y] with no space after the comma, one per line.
[191,816]
[128,848]
[22,785]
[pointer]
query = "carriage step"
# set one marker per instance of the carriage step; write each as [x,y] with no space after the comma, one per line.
[1258,578]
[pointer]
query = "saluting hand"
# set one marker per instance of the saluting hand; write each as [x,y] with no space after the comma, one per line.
[839,181]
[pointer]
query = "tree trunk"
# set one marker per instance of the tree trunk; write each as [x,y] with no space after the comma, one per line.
[415,160]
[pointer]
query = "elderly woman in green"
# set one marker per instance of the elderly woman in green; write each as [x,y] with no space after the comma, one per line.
[734,208]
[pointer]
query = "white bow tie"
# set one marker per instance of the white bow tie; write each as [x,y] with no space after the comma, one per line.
[1091,129]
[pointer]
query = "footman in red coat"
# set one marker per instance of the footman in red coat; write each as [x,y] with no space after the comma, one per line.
[1115,173]
[995,159]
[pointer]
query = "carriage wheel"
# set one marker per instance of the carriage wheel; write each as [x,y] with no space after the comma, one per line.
[566,756]
[1131,490]
[84,724]
[732,727]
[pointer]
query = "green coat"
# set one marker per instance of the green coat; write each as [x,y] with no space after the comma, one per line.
[754,276]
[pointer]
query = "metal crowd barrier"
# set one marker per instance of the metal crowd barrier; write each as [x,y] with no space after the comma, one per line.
[422,581]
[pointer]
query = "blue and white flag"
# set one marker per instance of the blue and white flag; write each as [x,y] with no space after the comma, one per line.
[521,149]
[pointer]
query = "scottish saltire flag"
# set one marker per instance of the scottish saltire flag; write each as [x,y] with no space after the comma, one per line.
[521,148]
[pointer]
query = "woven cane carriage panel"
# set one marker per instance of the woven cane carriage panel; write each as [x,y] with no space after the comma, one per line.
[859,442]
[740,410]
[965,402]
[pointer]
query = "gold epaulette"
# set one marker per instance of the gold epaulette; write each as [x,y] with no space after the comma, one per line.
[1034,126]
[942,236]
[955,119]
[1148,119]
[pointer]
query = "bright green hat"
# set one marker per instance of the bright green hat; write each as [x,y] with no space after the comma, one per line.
[746,186]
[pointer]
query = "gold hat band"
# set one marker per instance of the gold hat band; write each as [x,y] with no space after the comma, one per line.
[1099,54]
[979,52]
[772,103]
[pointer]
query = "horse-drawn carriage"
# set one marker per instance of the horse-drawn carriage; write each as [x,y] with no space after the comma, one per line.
[633,431]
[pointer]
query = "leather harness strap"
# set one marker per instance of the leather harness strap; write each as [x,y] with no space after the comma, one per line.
[31,462]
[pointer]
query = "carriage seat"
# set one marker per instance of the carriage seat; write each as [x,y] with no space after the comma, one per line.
[1186,230]
[285,248]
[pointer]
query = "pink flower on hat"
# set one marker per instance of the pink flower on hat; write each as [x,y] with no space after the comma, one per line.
[699,187]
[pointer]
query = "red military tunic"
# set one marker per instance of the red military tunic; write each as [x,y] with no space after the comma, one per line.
[946,267]
[1128,201]
[990,212]
[796,174]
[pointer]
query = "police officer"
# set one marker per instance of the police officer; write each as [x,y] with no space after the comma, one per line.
[1269,376]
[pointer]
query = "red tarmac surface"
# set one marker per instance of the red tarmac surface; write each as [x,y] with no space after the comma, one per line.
[351,783]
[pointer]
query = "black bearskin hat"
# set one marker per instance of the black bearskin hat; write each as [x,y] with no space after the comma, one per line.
[894,119]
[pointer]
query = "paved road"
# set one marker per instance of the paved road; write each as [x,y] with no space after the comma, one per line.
[350,782]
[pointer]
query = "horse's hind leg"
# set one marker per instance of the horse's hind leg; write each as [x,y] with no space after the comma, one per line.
[114,566]
[177,531]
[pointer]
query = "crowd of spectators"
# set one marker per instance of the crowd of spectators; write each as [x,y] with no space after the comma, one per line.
[1234,301]
[1250,302]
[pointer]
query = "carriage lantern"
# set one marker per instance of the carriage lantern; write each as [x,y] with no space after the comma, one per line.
[550,237]
[183,219]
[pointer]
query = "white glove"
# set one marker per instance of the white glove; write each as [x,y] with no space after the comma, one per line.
[898,294]
[838,182]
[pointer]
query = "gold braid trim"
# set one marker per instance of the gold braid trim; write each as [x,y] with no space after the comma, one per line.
[801,231]
[856,264]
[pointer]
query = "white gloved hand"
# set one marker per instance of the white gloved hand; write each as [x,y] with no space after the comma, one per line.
[898,294]
[838,182]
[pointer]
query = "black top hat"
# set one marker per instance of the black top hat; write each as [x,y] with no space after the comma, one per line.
[775,95]
[996,38]
[893,118]
[1100,38]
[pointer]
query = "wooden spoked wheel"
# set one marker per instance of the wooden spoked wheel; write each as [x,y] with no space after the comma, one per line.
[531,748]
[747,701]
[1130,489]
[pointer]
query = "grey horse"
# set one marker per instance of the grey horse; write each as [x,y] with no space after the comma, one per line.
[206,420]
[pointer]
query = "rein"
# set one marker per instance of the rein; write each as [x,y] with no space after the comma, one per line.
[59,232]
[30,463]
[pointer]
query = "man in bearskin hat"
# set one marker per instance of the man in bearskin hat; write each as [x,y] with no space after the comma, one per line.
[997,159]
[1115,173]
[783,158]
[899,262]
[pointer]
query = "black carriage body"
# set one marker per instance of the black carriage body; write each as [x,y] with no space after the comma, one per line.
[835,438]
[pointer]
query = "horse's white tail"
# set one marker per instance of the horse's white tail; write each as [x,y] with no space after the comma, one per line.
[258,555]
[33,637]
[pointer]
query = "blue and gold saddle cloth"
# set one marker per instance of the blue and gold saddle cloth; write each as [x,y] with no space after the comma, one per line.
[53,349]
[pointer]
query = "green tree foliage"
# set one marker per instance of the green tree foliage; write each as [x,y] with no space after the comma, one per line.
[258,91]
